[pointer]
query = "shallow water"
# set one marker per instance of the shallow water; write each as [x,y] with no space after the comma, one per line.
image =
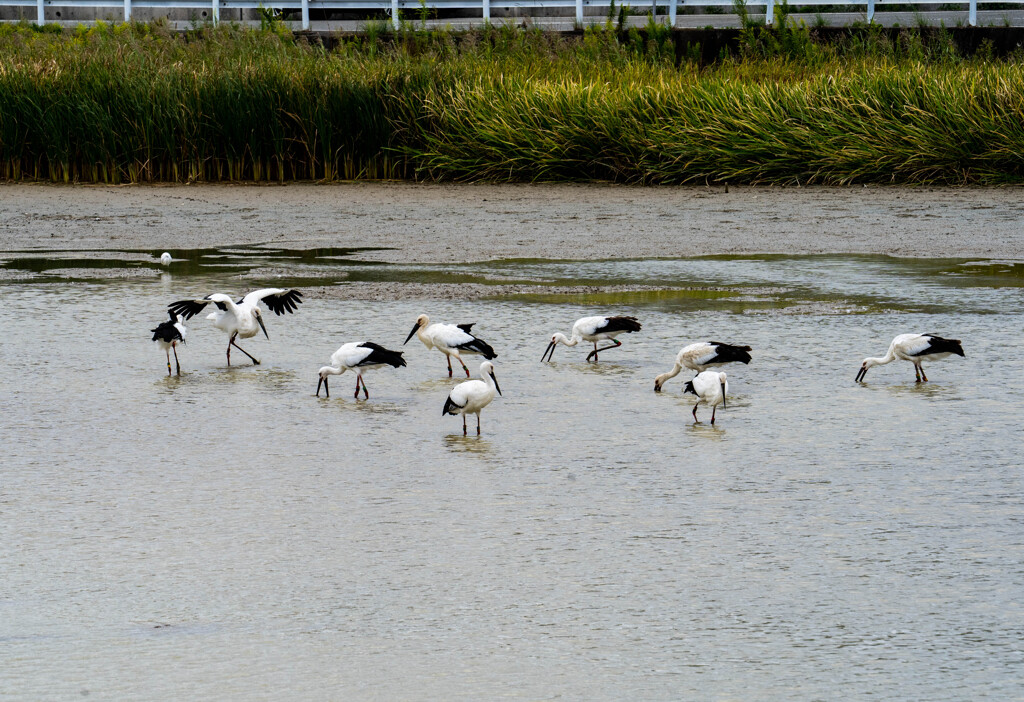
[227,535]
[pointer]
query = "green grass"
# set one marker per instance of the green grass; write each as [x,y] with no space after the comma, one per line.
[503,105]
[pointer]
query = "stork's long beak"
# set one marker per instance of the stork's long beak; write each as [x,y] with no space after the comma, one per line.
[259,318]
[318,384]
[327,390]
[723,395]
[861,373]
[414,328]
[495,379]
[551,348]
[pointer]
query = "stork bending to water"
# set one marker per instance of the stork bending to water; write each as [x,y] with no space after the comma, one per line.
[703,355]
[358,357]
[594,329]
[915,348]
[168,335]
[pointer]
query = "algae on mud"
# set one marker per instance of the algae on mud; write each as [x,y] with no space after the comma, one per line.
[501,105]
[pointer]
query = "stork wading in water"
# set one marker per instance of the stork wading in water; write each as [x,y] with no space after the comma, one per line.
[711,388]
[915,348]
[594,329]
[451,340]
[168,335]
[704,355]
[242,318]
[358,357]
[165,259]
[472,396]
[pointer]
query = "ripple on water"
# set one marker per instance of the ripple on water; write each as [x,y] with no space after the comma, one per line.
[824,537]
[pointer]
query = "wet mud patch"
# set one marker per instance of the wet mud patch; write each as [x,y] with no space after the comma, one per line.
[394,291]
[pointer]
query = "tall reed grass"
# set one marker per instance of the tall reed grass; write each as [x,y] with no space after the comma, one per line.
[135,103]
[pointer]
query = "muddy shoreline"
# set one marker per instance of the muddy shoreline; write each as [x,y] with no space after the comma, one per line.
[415,223]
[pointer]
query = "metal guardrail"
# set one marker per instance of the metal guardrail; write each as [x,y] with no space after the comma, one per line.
[671,7]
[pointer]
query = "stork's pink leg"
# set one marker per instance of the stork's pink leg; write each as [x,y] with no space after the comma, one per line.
[168,362]
[255,361]
[174,347]
[613,345]
[449,365]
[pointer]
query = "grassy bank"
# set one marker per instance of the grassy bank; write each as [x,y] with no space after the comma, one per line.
[503,105]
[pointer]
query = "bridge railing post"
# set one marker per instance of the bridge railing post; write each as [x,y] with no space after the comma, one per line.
[972,13]
[769,12]
[40,13]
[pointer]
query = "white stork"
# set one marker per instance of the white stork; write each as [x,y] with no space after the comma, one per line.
[358,357]
[168,335]
[594,329]
[709,387]
[914,348]
[472,396]
[451,340]
[165,259]
[703,355]
[242,318]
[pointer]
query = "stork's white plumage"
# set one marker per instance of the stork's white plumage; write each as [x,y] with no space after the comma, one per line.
[451,340]
[165,259]
[702,356]
[915,348]
[593,329]
[710,387]
[358,357]
[472,396]
[240,318]
[168,335]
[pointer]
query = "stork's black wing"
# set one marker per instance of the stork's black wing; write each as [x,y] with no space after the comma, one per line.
[379,354]
[937,344]
[287,301]
[167,332]
[626,324]
[727,353]
[187,308]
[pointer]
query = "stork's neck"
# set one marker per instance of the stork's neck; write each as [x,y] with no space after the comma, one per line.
[576,338]
[421,334]
[881,360]
[660,380]
[331,370]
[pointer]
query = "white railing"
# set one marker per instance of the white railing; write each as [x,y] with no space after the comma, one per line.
[670,7]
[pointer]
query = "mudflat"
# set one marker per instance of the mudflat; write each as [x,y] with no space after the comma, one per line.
[425,223]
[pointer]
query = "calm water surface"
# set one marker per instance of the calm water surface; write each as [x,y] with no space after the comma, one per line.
[227,535]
